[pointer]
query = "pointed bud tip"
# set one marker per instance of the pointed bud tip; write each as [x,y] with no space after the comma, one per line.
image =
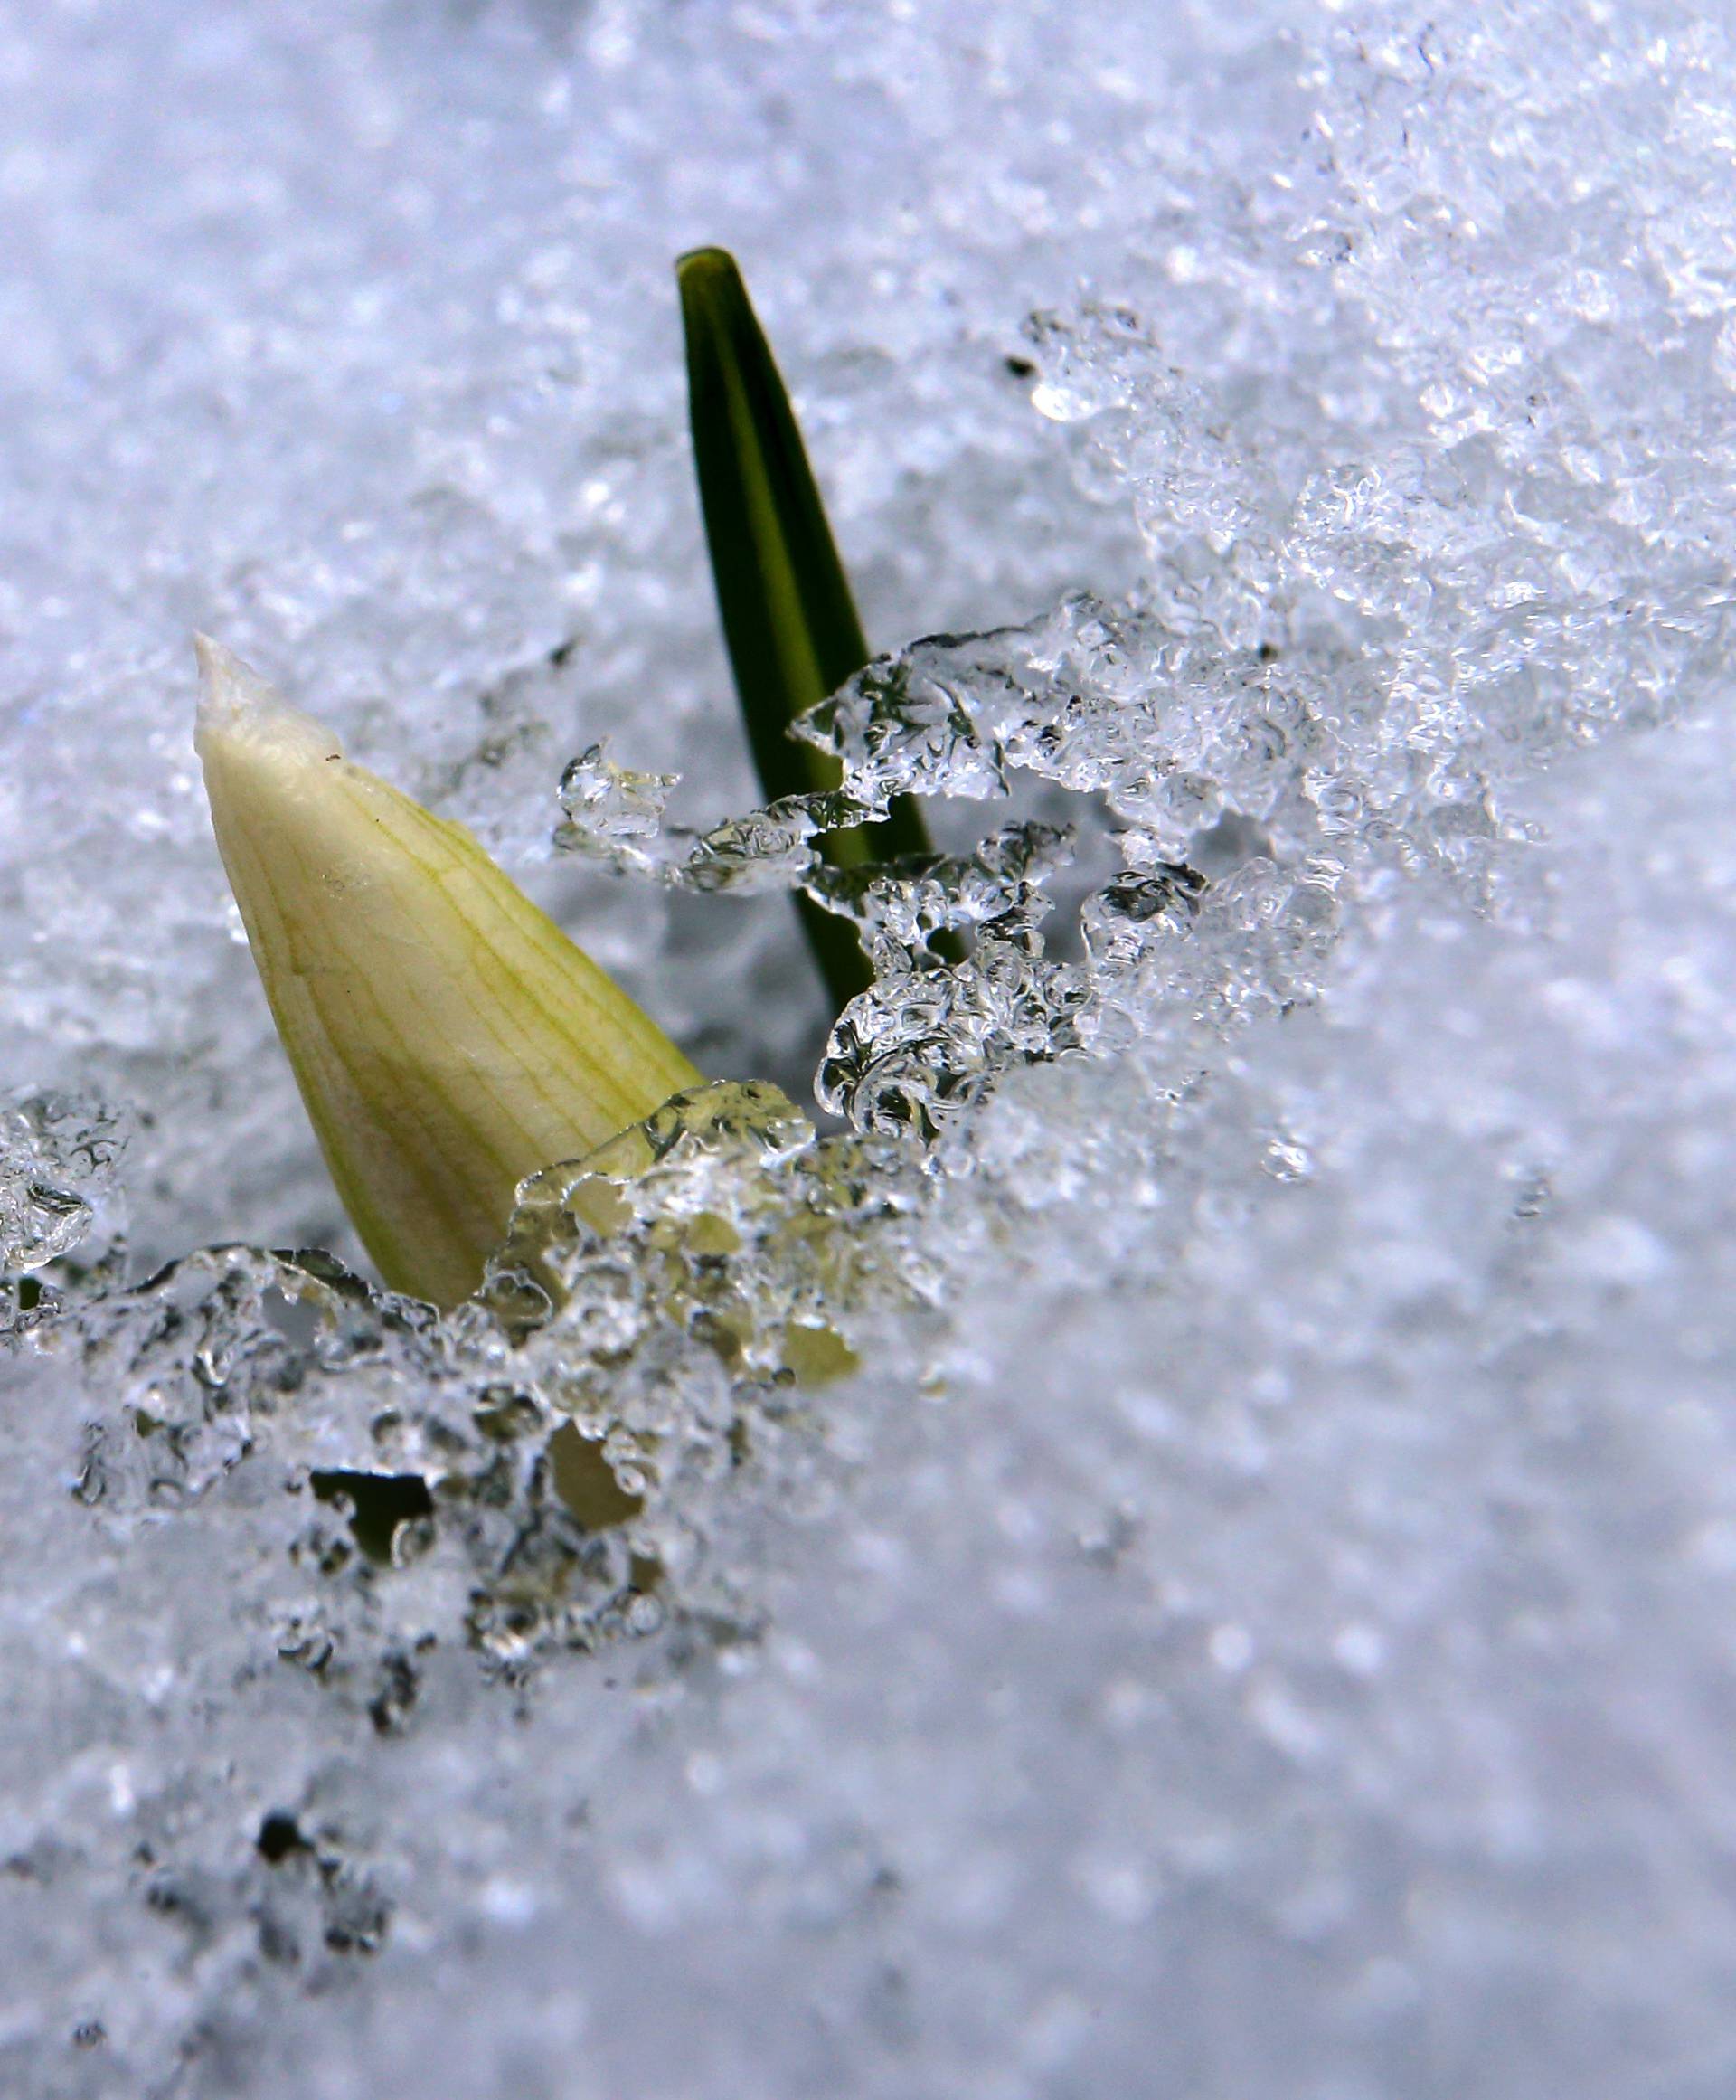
[698,264]
[710,288]
[238,708]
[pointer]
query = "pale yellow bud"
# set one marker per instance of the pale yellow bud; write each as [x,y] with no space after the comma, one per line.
[447,1038]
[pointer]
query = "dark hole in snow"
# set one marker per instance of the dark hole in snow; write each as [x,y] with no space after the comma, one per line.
[378,1504]
[279,1835]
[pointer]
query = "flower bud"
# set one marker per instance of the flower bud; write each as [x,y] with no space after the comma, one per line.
[447,1038]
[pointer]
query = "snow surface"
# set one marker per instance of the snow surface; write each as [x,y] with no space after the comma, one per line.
[1258,1620]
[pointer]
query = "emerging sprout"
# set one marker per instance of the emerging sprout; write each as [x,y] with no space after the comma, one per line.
[782,595]
[447,1038]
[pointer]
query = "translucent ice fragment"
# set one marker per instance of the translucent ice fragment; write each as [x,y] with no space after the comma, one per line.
[447,1038]
[57,1158]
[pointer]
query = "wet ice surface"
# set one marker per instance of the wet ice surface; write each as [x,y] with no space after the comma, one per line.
[1257,1620]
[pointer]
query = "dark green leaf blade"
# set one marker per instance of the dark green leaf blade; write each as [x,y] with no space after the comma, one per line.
[788,617]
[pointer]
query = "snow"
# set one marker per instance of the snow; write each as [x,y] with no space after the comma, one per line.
[1184,1542]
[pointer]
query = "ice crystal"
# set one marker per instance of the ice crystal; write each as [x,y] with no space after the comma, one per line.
[59,1154]
[1184,1541]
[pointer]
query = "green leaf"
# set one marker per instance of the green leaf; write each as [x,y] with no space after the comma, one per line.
[790,623]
